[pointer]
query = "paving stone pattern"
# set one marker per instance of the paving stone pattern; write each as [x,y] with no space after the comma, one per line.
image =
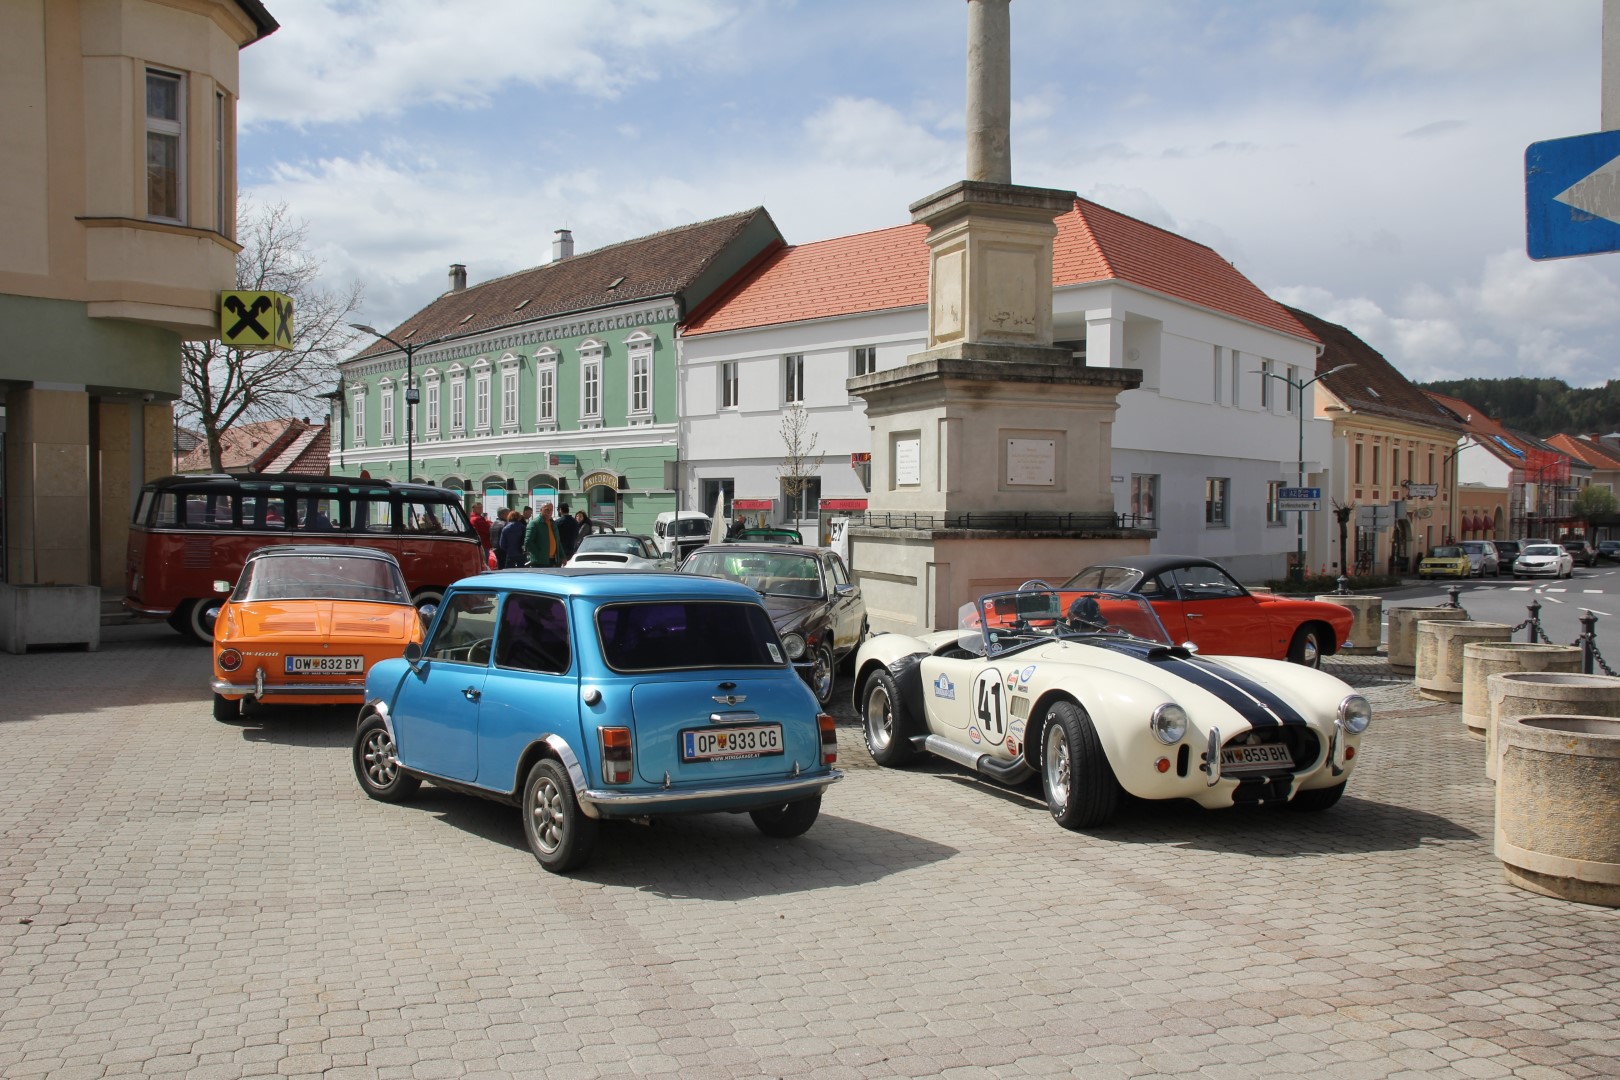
[183,898]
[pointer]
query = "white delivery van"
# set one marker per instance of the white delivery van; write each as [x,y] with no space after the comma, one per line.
[678,533]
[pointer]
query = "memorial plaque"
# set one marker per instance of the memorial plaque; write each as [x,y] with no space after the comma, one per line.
[907,462]
[1032,462]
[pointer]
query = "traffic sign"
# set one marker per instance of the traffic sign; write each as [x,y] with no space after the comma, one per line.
[1299,498]
[1572,196]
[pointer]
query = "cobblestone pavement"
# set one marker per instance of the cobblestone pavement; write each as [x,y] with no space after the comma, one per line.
[183,898]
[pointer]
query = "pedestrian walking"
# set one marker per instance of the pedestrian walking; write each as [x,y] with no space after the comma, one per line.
[510,554]
[480,525]
[567,531]
[541,542]
[584,529]
[496,527]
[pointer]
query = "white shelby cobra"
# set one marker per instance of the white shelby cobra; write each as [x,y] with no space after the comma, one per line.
[1086,689]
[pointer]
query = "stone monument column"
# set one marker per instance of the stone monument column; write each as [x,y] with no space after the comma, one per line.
[991,449]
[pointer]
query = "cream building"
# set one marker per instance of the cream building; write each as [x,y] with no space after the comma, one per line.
[119,204]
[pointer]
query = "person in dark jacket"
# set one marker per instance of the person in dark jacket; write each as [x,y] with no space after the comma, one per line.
[511,549]
[567,532]
[541,542]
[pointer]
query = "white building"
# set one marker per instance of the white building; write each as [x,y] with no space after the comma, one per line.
[1200,450]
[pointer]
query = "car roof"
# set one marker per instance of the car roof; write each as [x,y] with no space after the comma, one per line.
[610,582]
[1158,564]
[270,550]
[735,549]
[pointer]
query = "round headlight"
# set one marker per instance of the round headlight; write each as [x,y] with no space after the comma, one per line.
[1169,723]
[794,644]
[230,660]
[1355,713]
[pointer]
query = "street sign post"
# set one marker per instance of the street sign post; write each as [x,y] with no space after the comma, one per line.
[1299,498]
[1572,196]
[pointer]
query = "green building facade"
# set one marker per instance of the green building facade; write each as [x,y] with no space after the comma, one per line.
[556,384]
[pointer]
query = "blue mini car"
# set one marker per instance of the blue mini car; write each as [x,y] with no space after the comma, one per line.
[586,694]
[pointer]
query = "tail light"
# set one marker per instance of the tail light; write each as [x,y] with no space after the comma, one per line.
[829,739]
[615,754]
[229,660]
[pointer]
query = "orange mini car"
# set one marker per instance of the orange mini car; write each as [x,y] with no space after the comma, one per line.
[305,623]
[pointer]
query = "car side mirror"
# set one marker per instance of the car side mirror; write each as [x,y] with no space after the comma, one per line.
[1189,646]
[222,586]
[413,655]
[846,590]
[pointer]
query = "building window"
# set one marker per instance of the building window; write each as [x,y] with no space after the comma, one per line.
[1237,378]
[641,381]
[803,505]
[1411,456]
[222,176]
[1356,468]
[458,402]
[545,381]
[481,399]
[165,146]
[1145,500]
[431,404]
[1219,383]
[1265,384]
[713,489]
[509,398]
[387,413]
[1274,511]
[865,359]
[590,389]
[1293,380]
[1377,461]
[1216,502]
[728,385]
[793,379]
[359,424]
[1431,467]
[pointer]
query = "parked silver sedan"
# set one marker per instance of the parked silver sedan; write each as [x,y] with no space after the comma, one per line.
[1544,560]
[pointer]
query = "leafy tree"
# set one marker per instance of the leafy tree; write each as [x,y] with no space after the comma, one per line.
[1541,407]
[1593,503]
[222,386]
[800,463]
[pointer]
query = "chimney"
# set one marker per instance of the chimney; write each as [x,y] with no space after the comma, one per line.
[458,277]
[563,246]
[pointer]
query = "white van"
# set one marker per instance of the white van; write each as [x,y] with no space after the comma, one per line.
[678,533]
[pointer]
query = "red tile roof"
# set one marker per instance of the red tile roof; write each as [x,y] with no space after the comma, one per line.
[887,269]
[1373,385]
[1586,448]
[247,448]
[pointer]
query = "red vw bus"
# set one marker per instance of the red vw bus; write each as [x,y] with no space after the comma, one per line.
[191,531]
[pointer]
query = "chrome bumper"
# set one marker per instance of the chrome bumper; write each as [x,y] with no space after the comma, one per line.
[146,612]
[304,690]
[788,790]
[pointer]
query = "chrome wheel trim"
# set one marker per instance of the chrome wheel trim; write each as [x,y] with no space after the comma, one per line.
[1312,653]
[879,717]
[546,816]
[1055,763]
[382,763]
[822,675]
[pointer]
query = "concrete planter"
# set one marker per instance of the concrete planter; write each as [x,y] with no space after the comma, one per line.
[1482,659]
[49,615]
[1544,693]
[1367,629]
[1558,806]
[1402,647]
[1440,645]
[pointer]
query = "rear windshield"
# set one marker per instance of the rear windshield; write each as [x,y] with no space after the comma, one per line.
[660,635]
[321,577]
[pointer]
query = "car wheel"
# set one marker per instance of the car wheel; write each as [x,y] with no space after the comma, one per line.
[823,674]
[1317,798]
[376,764]
[886,721]
[198,623]
[1306,648]
[788,820]
[559,833]
[227,710]
[423,597]
[1080,787]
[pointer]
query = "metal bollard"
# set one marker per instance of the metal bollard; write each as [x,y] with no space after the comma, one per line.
[1455,592]
[1588,640]
[1344,586]
[1533,633]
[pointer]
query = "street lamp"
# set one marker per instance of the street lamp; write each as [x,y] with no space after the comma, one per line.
[411,395]
[1299,557]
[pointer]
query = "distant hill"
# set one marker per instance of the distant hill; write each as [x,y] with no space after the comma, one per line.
[1540,406]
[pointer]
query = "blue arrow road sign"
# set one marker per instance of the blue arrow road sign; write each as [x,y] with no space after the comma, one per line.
[1572,196]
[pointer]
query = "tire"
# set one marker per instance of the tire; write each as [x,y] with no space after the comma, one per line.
[430,595]
[560,835]
[226,710]
[1081,791]
[376,764]
[788,820]
[823,674]
[1306,648]
[885,721]
[198,628]
[1316,799]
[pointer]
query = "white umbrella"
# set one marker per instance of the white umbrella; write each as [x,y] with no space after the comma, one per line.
[717,524]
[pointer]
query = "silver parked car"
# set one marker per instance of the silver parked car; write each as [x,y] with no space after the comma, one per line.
[1482,557]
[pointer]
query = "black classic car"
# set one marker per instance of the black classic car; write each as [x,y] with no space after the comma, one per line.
[817,610]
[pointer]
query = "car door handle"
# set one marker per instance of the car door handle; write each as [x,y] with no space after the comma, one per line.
[472,694]
[1194,615]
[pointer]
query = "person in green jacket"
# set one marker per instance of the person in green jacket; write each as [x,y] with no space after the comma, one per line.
[542,541]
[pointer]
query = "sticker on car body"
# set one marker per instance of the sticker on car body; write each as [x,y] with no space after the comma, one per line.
[990,705]
[944,688]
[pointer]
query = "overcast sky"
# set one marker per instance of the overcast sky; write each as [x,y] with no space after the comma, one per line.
[1361,159]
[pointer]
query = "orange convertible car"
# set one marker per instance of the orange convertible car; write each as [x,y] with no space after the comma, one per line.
[306,622]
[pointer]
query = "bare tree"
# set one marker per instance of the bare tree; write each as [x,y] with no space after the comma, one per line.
[800,463]
[221,385]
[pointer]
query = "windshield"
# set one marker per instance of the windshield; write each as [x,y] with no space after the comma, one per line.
[692,527]
[1543,549]
[1474,547]
[1001,622]
[321,577]
[1117,578]
[1447,552]
[616,542]
[772,573]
